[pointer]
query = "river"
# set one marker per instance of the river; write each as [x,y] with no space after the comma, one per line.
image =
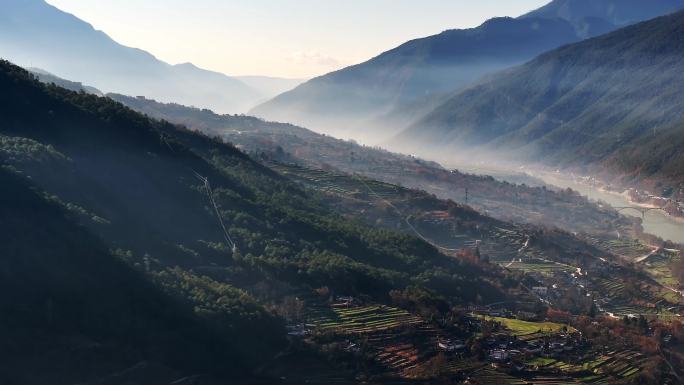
[654,222]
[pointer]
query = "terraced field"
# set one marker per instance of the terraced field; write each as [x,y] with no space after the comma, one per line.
[627,309]
[405,356]
[621,303]
[543,267]
[337,183]
[614,366]
[409,356]
[609,287]
[365,319]
[604,369]
[488,375]
[629,249]
[503,245]
[659,267]
[551,380]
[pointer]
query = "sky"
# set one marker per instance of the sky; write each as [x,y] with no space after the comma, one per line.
[281,38]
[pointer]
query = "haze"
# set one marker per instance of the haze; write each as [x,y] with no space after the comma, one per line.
[295,39]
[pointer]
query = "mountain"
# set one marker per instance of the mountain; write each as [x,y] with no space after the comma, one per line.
[372,100]
[140,252]
[340,102]
[615,12]
[174,217]
[47,77]
[36,34]
[77,313]
[269,87]
[285,143]
[612,102]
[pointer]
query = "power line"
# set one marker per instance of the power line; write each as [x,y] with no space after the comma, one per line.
[210,194]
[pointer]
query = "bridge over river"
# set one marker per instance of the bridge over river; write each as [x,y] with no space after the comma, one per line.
[642,210]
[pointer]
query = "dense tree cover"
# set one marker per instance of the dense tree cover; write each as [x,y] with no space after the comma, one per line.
[134,185]
[286,143]
[71,312]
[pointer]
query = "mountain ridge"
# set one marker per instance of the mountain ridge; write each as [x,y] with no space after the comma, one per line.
[373,100]
[37,34]
[607,101]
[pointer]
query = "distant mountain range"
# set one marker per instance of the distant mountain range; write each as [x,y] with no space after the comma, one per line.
[613,101]
[268,86]
[373,100]
[36,34]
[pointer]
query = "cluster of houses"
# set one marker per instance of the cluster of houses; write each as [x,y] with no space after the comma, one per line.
[451,346]
[672,207]
[299,330]
[503,349]
[438,217]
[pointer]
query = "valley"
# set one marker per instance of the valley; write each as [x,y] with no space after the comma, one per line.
[582,274]
[297,145]
[495,204]
[656,222]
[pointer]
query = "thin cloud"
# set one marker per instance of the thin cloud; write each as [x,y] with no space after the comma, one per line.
[314,58]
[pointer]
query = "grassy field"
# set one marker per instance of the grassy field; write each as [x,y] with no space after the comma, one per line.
[523,328]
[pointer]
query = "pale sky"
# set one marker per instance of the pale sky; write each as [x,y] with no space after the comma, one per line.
[284,38]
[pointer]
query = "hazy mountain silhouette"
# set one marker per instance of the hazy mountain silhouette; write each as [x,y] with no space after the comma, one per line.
[614,100]
[375,98]
[36,34]
[269,86]
[616,12]
[47,77]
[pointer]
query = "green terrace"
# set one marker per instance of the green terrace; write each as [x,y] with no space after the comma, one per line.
[620,303]
[629,248]
[659,267]
[542,266]
[522,328]
[364,319]
[338,183]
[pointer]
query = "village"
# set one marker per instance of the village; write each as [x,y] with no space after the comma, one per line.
[474,345]
[671,206]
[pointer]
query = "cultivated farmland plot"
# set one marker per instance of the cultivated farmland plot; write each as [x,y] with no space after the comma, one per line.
[367,319]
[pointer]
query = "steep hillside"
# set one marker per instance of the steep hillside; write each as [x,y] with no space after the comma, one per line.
[292,144]
[612,102]
[135,191]
[341,102]
[49,78]
[78,314]
[372,100]
[616,12]
[36,34]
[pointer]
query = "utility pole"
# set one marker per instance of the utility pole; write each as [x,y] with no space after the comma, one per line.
[466,195]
